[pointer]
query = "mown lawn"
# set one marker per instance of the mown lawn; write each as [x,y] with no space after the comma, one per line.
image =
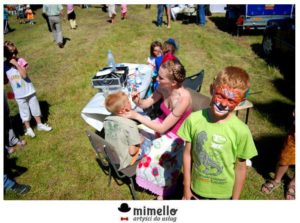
[61,164]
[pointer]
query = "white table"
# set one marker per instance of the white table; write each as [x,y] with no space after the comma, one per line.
[95,112]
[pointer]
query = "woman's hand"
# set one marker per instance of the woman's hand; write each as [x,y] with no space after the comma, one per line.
[130,114]
[135,97]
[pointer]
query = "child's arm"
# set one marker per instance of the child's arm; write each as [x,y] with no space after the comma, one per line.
[134,152]
[187,160]
[240,177]
[21,69]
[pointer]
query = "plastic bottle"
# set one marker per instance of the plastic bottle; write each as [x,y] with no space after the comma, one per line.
[129,86]
[138,80]
[111,60]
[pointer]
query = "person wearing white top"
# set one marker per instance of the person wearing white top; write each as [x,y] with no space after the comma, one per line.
[24,91]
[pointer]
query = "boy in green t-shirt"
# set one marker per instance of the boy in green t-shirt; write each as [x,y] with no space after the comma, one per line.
[217,142]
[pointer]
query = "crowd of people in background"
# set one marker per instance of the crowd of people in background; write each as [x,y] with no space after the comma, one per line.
[26,15]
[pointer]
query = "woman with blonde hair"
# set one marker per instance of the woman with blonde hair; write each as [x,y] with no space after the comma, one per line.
[158,171]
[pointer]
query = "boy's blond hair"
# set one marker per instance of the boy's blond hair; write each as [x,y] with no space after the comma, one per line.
[115,101]
[233,77]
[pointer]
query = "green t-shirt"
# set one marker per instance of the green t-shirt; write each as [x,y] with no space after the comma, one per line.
[121,133]
[215,149]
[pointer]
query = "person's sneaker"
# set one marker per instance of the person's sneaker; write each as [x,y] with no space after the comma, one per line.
[29,132]
[44,127]
[21,189]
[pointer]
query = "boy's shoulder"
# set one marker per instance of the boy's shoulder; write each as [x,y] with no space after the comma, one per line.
[199,114]
[203,115]
[122,120]
[236,121]
[239,127]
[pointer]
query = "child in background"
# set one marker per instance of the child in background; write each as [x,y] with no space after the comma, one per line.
[71,16]
[122,132]
[287,158]
[29,15]
[6,27]
[20,13]
[123,11]
[24,91]
[155,51]
[169,49]
[217,142]
[111,8]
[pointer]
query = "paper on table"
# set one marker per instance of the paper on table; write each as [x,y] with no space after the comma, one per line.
[146,132]
[145,128]
[144,69]
[104,72]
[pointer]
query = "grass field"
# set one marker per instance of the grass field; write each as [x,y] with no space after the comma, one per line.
[61,164]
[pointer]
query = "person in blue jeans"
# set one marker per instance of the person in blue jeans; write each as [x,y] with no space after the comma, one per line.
[201,15]
[160,14]
[6,27]
[11,185]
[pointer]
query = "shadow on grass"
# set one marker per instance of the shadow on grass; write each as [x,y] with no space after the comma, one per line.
[65,40]
[10,30]
[45,110]
[286,66]
[222,24]
[277,112]
[119,181]
[186,20]
[268,148]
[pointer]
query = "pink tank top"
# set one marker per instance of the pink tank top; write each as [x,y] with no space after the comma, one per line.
[166,111]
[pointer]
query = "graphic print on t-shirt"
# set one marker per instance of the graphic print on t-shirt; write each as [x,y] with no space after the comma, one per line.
[112,129]
[211,165]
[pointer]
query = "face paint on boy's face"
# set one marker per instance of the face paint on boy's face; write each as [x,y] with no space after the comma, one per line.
[225,99]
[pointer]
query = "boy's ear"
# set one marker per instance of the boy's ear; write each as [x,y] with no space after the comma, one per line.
[123,110]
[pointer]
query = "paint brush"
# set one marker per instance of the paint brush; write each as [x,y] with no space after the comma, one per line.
[142,90]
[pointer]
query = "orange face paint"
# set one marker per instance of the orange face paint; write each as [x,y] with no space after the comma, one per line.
[225,99]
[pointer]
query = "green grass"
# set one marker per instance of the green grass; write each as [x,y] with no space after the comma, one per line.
[61,164]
